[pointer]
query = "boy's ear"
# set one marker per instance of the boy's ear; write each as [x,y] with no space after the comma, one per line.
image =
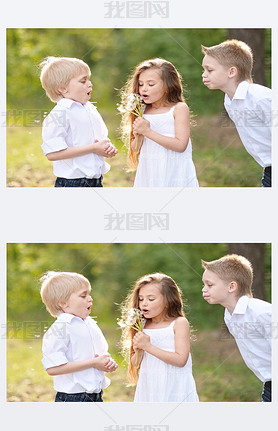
[232,72]
[62,90]
[62,305]
[233,287]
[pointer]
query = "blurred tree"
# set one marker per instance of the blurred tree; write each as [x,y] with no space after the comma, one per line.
[255,38]
[256,254]
[112,269]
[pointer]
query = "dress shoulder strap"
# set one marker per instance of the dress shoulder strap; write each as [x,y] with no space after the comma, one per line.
[172,324]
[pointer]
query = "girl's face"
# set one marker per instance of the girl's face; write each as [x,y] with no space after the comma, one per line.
[151,301]
[79,303]
[151,86]
[79,88]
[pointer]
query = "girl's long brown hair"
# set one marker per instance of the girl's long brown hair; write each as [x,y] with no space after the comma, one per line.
[173,309]
[173,94]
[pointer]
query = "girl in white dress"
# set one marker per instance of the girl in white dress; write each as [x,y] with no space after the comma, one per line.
[163,157]
[161,353]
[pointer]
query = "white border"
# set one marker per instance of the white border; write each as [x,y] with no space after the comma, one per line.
[205,215]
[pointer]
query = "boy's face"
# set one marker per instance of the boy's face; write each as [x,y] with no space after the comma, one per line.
[215,290]
[79,88]
[215,75]
[79,303]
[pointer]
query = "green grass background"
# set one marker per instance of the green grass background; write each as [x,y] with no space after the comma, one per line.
[218,154]
[218,369]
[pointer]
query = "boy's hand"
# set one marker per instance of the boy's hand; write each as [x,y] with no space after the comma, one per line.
[111,150]
[105,363]
[105,148]
[111,366]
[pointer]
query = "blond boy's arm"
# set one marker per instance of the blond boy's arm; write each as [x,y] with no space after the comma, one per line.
[102,363]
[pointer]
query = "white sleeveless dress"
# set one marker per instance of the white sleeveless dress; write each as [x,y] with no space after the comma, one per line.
[160,167]
[161,382]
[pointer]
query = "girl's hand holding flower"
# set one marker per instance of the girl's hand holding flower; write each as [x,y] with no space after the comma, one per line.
[141,126]
[141,341]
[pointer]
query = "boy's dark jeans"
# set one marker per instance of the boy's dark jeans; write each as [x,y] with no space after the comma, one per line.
[78,182]
[266,180]
[266,395]
[62,397]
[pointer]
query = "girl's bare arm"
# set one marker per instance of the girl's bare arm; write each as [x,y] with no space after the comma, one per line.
[182,344]
[182,130]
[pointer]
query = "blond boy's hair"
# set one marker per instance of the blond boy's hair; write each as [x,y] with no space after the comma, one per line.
[57,72]
[233,53]
[233,267]
[58,286]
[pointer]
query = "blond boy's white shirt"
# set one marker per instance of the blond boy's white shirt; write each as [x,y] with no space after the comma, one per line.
[251,111]
[71,124]
[71,339]
[251,326]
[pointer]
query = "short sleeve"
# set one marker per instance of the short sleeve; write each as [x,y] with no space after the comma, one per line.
[54,132]
[54,346]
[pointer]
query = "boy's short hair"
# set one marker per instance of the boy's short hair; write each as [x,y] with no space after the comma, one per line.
[58,286]
[57,72]
[233,53]
[233,267]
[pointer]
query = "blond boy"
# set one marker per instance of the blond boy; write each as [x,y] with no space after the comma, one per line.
[75,137]
[228,282]
[75,351]
[228,67]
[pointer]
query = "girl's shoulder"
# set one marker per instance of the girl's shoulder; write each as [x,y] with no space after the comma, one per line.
[181,107]
[181,323]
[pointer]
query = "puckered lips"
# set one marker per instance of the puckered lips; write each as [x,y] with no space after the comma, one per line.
[145,311]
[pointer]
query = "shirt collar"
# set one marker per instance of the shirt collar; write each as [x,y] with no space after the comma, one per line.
[67,103]
[240,92]
[66,317]
[241,305]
